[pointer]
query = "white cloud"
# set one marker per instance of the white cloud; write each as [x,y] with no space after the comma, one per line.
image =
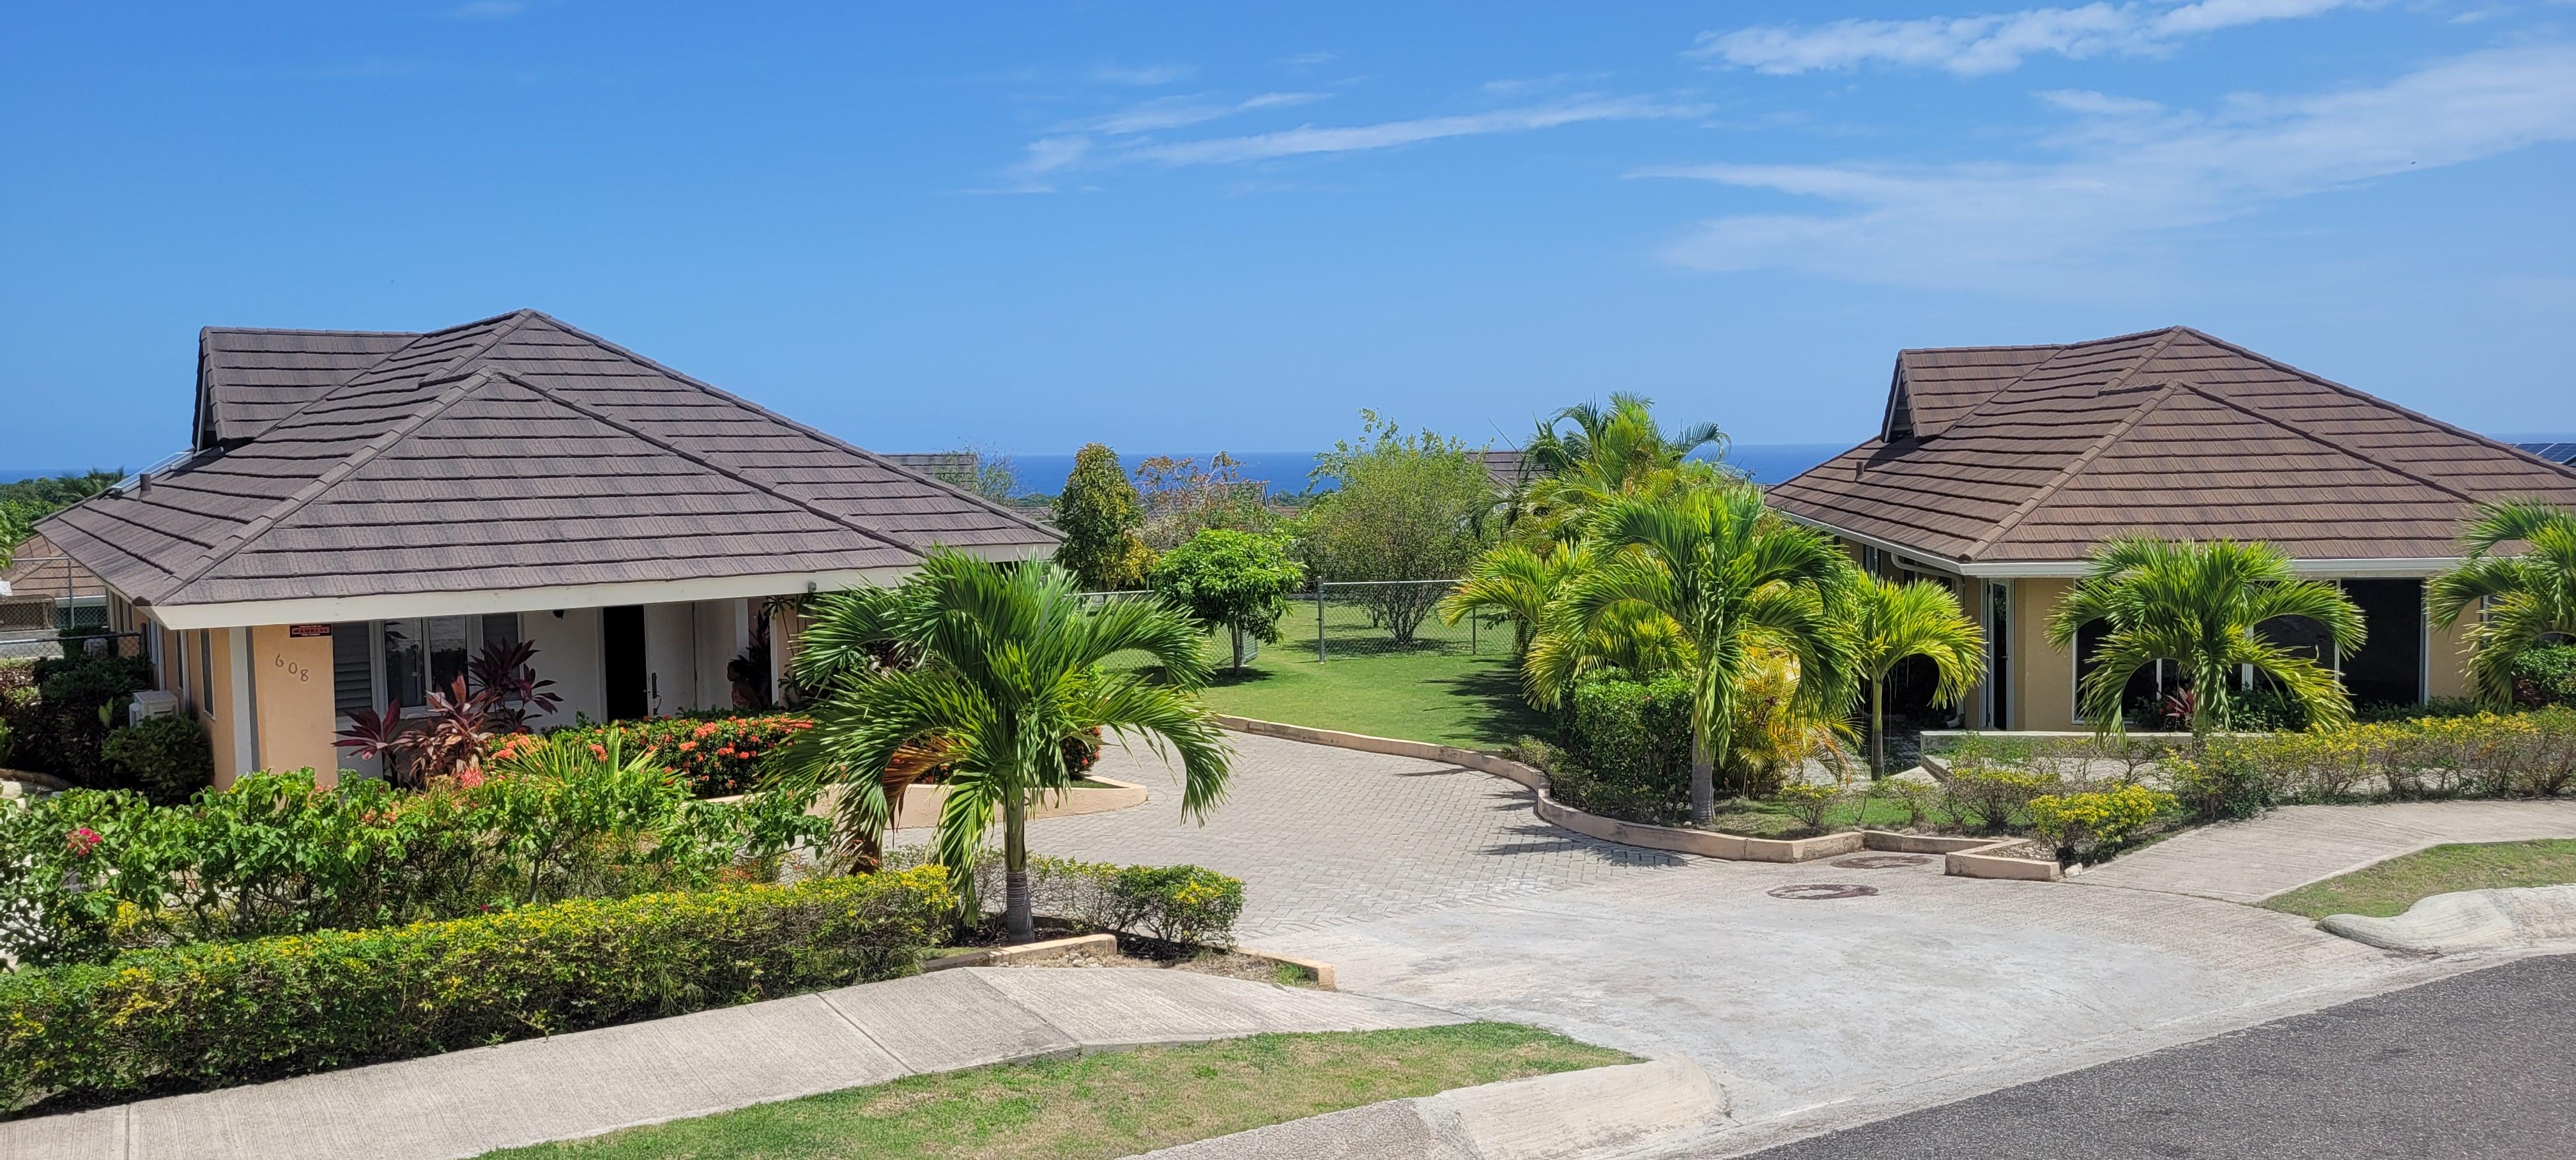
[2046,227]
[1145,77]
[1307,140]
[1999,42]
[2096,104]
[1180,112]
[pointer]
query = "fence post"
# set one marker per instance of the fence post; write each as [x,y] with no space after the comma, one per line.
[1471,634]
[1319,616]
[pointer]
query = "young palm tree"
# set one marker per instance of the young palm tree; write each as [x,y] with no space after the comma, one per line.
[993,668]
[1515,581]
[1733,580]
[2199,604]
[1896,621]
[1609,453]
[2527,600]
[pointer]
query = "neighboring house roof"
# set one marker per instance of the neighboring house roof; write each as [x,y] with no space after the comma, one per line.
[38,571]
[1505,466]
[943,464]
[2015,456]
[517,453]
[2553,452]
[248,379]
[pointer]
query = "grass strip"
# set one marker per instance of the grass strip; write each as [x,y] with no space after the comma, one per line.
[1111,1104]
[2388,888]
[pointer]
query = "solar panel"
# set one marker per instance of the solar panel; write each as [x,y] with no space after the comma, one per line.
[2554,452]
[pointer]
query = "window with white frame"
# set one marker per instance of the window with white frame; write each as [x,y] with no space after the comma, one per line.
[400,662]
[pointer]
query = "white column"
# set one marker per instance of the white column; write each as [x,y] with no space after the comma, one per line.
[245,707]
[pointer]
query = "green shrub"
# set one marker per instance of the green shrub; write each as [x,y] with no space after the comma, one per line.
[1989,798]
[2087,827]
[1921,800]
[1231,582]
[1809,802]
[76,697]
[169,757]
[2546,675]
[274,854]
[716,754]
[1627,748]
[1180,904]
[2222,779]
[216,1014]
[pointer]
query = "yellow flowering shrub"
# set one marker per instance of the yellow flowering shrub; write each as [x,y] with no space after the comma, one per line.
[2087,825]
[214,1014]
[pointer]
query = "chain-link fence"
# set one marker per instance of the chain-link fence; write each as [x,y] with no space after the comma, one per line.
[1348,619]
[48,596]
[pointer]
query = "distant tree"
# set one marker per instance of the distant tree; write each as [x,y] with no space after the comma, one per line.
[1234,581]
[25,501]
[1408,507]
[1099,516]
[1181,498]
[991,476]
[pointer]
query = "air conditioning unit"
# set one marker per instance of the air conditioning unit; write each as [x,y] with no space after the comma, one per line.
[152,703]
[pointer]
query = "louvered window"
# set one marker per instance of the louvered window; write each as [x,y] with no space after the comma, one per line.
[353,669]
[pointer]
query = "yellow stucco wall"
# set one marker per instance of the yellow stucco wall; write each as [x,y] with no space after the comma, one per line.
[2043,678]
[293,678]
[2446,671]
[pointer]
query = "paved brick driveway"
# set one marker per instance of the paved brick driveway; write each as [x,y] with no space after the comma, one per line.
[1324,837]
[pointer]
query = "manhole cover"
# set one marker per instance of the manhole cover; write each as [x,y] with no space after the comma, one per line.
[1882,861]
[1818,890]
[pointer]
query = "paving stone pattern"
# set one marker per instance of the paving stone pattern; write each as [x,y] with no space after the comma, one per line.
[1325,837]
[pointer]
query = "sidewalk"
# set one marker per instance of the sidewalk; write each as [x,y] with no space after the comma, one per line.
[2295,845]
[470,1102]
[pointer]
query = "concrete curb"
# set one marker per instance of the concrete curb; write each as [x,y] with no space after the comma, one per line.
[1965,857]
[1098,944]
[2469,921]
[1539,1118]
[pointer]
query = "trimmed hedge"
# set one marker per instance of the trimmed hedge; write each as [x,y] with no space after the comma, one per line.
[217,1014]
[1629,748]
[1176,904]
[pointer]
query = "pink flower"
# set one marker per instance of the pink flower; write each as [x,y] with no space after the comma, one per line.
[82,841]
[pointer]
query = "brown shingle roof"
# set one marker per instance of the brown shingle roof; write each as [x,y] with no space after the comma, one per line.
[39,571]
[248,379]
[517,452]
[2036,454]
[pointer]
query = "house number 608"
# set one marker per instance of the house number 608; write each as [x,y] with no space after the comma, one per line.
[293,669]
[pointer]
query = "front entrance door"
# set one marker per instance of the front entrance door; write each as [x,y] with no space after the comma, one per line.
[621,662]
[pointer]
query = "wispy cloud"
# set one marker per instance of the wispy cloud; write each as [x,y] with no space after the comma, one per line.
[1181,112]
[1144,77]
[487,10]
[2131,173]
[1307,140]
[1991,43]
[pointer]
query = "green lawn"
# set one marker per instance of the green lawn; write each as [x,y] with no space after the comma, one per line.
[1444,688]
[2390,887]
[1113,1104]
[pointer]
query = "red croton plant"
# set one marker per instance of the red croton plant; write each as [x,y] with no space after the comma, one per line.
[495,696]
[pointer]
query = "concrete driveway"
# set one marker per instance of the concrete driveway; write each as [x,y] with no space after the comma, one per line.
[1437,885]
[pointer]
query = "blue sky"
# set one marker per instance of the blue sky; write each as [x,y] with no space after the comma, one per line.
[1231,226]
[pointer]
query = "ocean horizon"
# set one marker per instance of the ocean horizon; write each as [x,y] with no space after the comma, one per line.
[1287,471]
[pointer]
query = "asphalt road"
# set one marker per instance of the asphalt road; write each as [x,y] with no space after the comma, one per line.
[2477,1066]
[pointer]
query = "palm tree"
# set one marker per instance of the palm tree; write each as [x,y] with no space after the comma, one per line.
[2202,605]
[2526,600]
[993,668]
[1515,581]
[1734,581]
[1607,454]
[1923,618]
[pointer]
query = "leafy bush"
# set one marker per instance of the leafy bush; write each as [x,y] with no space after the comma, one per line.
[716,754]
[2087,827]
[1921,799]
[1179,904]
[2222,780]
[1988,798]
[2546,675]
[1809,802]
[76,697]
[169,757]
[218,1014]
[1627,748]
[1230,581]
[88,873]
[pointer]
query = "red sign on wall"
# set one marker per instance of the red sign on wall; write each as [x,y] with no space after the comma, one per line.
[308,630]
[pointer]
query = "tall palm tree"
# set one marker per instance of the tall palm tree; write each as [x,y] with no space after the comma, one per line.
[1516,582]
[2200,605]
[993,668]
[1920,619]
[2526,600]
[1587,455]
[1733,580]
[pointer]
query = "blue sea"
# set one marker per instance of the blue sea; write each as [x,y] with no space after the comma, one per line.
[1286,471]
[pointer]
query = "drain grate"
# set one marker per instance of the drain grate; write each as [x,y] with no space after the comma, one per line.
[1812,891]
[1882,861]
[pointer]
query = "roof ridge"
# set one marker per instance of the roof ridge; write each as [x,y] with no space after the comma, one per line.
[206,330]
[348,465]
[2040,345]
[598,416]
[2568,470]
[2030,503]
[2321,441]
[2169,334]
[827,437]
